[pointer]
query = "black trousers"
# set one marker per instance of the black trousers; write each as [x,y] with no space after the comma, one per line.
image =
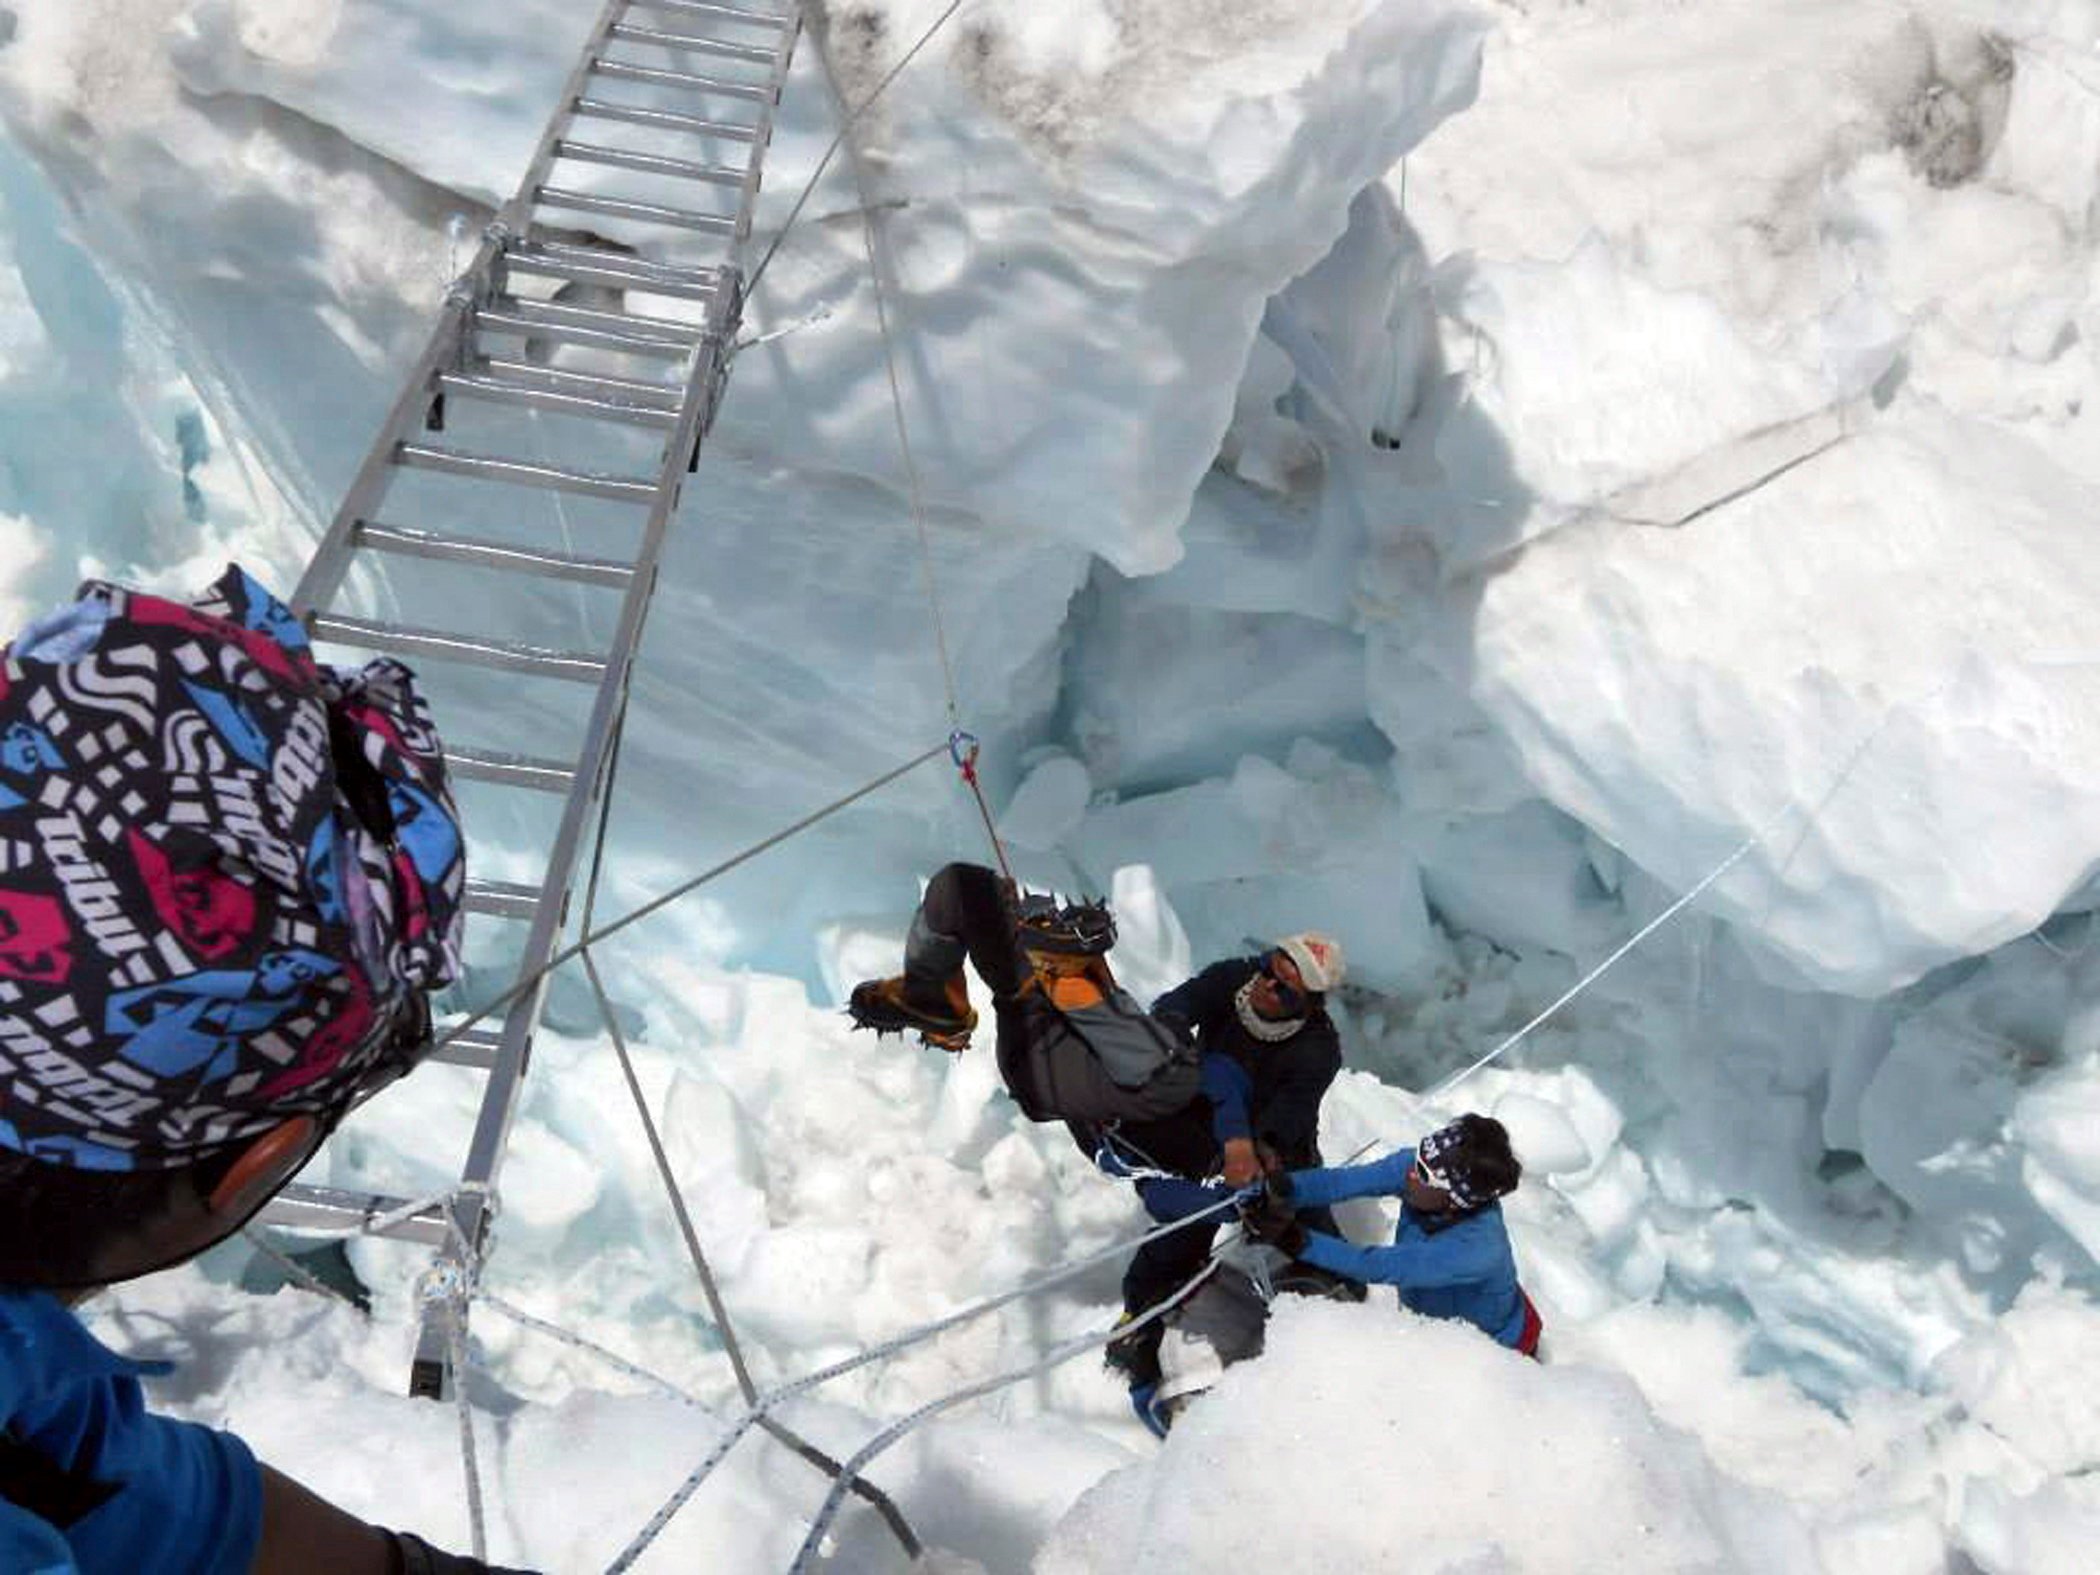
[965,913]
[1052,1073]
[1185,1144]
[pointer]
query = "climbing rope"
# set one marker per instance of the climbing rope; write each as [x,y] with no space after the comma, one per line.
[824,163]
[293,1270]
[455,1315]
[962,749]
[485,1297]
[1056,1356]
[901,1342]
[889,364]
[1742,850]
[636,915]
[716,1307]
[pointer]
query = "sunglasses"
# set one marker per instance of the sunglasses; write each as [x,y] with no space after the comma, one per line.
[1288,996]
[1430,1176]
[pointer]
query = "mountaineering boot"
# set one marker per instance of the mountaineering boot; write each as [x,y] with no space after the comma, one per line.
[1309,1279]
[1136,1354]
[1154,1412]
[939,1010]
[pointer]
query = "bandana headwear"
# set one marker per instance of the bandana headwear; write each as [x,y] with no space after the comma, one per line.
[1442,1156]
[199,935]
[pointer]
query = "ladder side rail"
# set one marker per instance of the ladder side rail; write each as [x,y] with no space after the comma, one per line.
[762,135]
[331,560]
[317,587]
[517,213]
[506,1077]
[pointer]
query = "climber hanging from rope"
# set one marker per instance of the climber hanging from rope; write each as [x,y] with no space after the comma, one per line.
[1219,1082]
[1072,1044]
[228,879]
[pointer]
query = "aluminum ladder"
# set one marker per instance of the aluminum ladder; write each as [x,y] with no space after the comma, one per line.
[597,314]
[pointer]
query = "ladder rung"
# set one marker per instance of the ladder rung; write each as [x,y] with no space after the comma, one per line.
[719,280]
[656,76]
[373,636]
[526,473]
[649,163]
[328,1208]
[493,555]
[718,13]
[595,385]
[486,765]
[495,390]
[618,208]
[671,330]
[527,325]
[502,899]
[665,119]
[616,269]
[656,38]
[476,1047]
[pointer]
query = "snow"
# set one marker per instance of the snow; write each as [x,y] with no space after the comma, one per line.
[1371,1412]
[1444,475]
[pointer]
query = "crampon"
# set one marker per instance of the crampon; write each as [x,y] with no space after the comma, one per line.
[892,1006]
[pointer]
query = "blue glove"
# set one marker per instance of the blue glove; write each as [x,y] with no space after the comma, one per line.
[1150,1409]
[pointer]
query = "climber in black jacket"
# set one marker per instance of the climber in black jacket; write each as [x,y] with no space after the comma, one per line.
[1268,1053]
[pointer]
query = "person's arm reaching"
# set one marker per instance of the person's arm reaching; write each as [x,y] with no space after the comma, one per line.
[304,1534]
[1381,1178]
[1227,1086]
[1199,999]
[1412,1265]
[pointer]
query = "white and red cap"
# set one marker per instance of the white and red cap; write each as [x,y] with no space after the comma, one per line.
[1318,958]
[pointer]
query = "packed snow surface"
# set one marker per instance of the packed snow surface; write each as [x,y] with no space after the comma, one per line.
[1456,476]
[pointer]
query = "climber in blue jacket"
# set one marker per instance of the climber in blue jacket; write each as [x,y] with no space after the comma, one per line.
[1450,1256]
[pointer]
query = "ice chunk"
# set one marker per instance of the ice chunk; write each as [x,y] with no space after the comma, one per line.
[1545,1140]
[1047,804]
[1276,850]
[1569,1468]
[1830,646]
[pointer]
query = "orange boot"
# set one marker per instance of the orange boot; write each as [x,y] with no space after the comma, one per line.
[940,1013]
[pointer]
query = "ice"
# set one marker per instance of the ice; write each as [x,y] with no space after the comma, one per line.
[1047,804]
[1544,1138]
[1455,524]
[1573,1472]
[1968,1077]
[1821,715]
[1275,839]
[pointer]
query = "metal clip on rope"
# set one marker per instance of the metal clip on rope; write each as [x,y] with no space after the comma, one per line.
[963,749]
